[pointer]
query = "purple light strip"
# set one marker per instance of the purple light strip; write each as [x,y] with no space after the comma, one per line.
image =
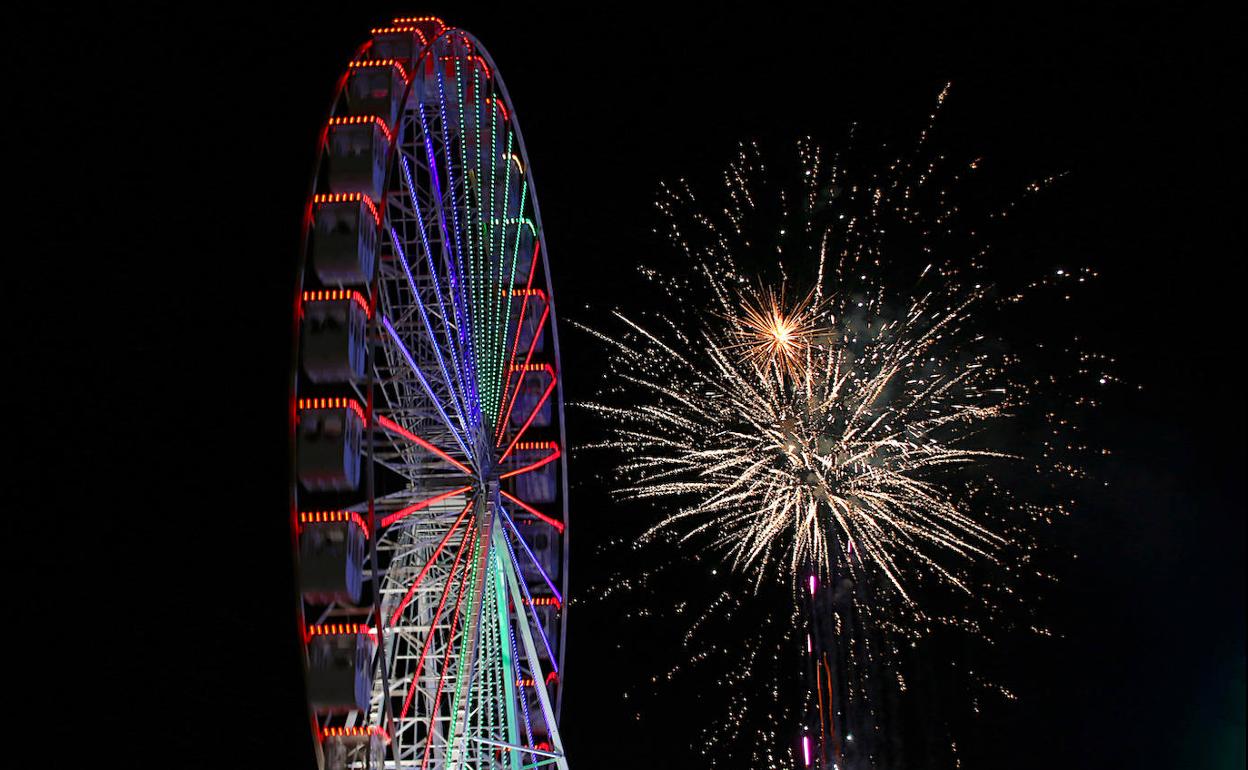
[457,291]
[525,545]
[420,305]
[425,384]
[554,665]
[471,398]
[524,701]
[460,376]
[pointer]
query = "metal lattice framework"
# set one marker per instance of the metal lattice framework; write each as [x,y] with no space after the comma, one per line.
[432,552]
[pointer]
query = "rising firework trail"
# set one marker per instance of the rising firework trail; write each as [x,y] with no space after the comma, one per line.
[816,410]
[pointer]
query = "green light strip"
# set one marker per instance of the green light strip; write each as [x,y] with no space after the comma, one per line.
[463,653]
[505,377]
[487,411]
[508,665]
[481,322]
[467,278]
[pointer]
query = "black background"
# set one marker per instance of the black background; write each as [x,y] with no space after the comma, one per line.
[158,162]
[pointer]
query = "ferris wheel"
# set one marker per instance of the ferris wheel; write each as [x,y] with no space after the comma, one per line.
[429,486]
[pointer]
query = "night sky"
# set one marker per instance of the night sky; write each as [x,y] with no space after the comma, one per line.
[162,164]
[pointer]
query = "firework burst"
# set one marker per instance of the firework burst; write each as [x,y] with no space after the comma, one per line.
[825,397]
[817,433]
[770,333]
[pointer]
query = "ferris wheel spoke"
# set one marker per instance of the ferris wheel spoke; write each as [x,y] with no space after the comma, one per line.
[394,427]
[531,616]
[558,525]
[420,506]
[456,264]
[532,557]
[516,586]
[437,551]
[548,371]
[456,397]
[453,348]
[555,454]
[460,349]
[464,547]
[501,297]
[446,658]
[394,335]
[523,369]
[505,402]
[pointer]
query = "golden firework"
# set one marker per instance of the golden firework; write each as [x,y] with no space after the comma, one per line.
[773,335]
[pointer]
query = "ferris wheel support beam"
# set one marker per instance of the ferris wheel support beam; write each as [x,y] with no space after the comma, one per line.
[530,652]
[420,376]
[508,664]
[472,630]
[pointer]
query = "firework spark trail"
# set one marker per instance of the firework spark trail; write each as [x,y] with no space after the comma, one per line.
[777,429]
[838,418]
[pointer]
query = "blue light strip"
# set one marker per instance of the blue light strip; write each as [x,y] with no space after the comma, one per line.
[554,665]
[524,701]
[420,305]
[458,292]
[433,271]
[537,564]
[461,321]
[428,391]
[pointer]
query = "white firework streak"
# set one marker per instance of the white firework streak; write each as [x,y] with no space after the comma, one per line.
[846,430]
[840,459]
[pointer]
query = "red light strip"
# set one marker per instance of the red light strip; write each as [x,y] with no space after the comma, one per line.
[320,198]
[332,403]
[421,20]
[354,732]
[529,293]
[524,369]
[464,548]
[331,517]
[357,120]
[446,659]
[424,570]
[550,458]
[552,522]
[396,30]
[536,407]
[339,629]
[515,344]
[335,295]
[543,601]
[529,681]
[472,57]
[499,104]
[394,427]
[373,63]
[423,504]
